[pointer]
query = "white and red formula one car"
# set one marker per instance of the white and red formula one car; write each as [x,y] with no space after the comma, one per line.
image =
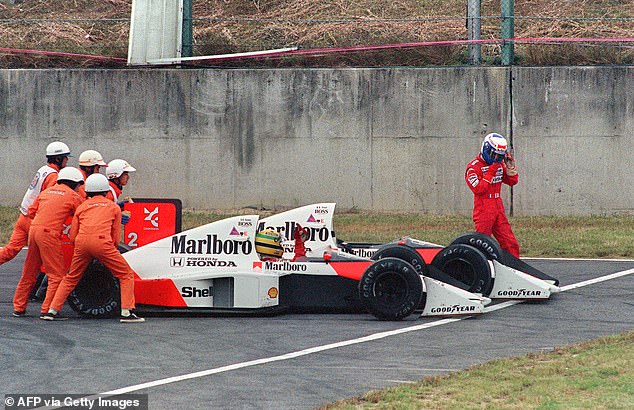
[215,268]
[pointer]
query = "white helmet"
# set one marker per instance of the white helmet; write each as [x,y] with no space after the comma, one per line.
[97,183]
[70,174]
[116,167]
[493,148]
[90,158]
[57,148]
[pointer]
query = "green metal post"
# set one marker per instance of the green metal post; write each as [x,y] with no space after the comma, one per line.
[187,36]
[508,31]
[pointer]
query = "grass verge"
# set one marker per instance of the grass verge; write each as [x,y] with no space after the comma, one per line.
[592,375]
[544,236]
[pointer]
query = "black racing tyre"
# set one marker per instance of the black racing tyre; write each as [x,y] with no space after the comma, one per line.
[391,289]
[402,252]
[486,244]
[39,289]
[123,248]
[97,294]
[410,256]
[468,265]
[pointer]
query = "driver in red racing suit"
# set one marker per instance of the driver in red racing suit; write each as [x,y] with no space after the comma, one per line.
[484,176]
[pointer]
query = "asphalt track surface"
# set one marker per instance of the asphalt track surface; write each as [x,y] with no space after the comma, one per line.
[295,361]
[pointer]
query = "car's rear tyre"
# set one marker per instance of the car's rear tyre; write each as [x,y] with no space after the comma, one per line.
[391,289]
[97,295]
[39,290]
[404,253]
[468,265]
[485,243]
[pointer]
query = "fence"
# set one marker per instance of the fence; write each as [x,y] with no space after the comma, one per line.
[420,33]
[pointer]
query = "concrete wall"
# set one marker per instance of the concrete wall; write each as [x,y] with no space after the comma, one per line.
[574,133]
[381,139]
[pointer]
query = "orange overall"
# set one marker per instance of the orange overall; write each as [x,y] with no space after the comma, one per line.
[49,211]
[81,190]
[96,230]
[114,193]
[20,235]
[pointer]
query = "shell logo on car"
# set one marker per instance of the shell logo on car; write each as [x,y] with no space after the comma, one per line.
[273,292]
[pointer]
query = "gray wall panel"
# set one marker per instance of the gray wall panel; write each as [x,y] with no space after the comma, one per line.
[380,139]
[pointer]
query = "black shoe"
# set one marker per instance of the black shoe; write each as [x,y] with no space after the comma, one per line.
[52,317]
[131,318]
[21,313]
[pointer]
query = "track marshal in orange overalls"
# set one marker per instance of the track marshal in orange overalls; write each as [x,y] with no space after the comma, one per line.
[57,154]
[48,212]
[95,230]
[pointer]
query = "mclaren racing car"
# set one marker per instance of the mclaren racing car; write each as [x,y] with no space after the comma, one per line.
[221,268]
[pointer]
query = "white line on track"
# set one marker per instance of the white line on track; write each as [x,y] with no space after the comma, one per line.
[597,280]
[317,349]
[577,259]
[287,356]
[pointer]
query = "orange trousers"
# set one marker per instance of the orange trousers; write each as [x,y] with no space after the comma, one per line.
[19,238]
[101,248]
[45,250]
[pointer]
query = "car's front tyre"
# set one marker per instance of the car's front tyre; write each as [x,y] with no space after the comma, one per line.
[468,265]
[391,289]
